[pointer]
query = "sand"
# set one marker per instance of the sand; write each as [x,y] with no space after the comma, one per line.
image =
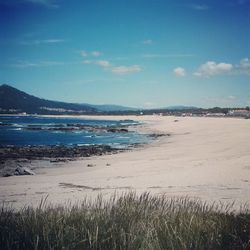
[206,158]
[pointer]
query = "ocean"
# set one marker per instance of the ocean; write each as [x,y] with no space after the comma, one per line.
[49,131]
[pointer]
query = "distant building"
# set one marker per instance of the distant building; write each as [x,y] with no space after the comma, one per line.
[215,114]
[239,113]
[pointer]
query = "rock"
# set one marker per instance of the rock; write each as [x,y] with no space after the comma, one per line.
[90,165]
[58,160]
[124,130]
[53,152]
[7,174]
[20,170]
[155,135]
[117,130]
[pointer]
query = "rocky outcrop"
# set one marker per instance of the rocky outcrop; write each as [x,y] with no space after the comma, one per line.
[16,167]
[40,152]
[78,127]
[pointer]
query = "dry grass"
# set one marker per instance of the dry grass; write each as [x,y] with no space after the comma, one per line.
[127,222]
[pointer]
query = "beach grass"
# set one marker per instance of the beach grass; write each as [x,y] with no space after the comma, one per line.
[129,221]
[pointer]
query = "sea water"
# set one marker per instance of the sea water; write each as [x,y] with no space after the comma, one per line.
[14,131]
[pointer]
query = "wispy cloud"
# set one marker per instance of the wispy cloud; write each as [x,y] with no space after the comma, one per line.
[87,62]
[166,55]
[199,7]
[93,80]
[180,72]
[212,68]
[149,105]
[42,41]
[103,63]
[221,100]
[21,64]
[243,68]
[148,42]
[245,63]
[96,53]
[121,70]
[85,53]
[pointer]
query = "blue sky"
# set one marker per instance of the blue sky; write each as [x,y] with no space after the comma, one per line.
[140,53]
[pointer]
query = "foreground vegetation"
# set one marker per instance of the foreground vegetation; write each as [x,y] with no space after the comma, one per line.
[128,222]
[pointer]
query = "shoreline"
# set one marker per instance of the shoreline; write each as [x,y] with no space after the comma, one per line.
[15,158]
[205,158]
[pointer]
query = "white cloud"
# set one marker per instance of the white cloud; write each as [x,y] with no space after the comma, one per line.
[179,71]
[103,63]
[211,68]
[126,69]
[147,42]
[96,53]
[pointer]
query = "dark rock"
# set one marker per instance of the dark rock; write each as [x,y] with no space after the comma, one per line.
[58,160]
[69,127]
[155,135]
[117,130]
[5,124]
[124,130]
[54,152]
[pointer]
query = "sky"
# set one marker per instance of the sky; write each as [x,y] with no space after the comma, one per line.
[137,53]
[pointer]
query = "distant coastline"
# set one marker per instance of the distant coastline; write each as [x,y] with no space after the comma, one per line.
[17,102]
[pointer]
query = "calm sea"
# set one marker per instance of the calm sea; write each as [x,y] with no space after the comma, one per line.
[15,130]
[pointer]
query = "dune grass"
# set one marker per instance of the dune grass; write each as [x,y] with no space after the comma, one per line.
[128,222]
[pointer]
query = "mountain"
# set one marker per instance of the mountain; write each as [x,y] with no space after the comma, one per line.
[13,100]
[112,108]
[180,107]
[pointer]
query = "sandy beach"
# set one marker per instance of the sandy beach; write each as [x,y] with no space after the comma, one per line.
[208,158]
